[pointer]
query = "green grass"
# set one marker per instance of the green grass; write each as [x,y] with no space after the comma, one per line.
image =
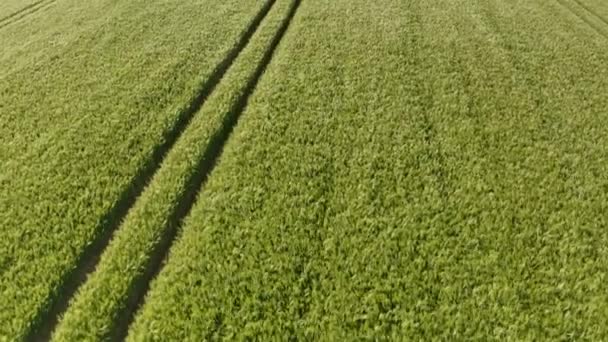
[101,302]
[81,120]
[419,170]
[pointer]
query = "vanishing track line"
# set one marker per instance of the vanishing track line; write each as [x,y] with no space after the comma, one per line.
[197,181]
[593,12]
[21,10]
[48,318]
[25,12]
[564,4]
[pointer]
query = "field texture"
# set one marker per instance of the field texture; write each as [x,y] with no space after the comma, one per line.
[108,295]
[84,125]
[12,11]
[303,170]
[420,169]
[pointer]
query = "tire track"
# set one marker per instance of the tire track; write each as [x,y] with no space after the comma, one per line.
[198,180]
[591,11]
[427,124]
[25,12]
[21,10]
[48,317]
[597,29]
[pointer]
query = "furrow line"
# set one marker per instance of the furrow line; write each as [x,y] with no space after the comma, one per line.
[48,319]
[583,18]
[204,170]
[16,13]
[590,10]
[25,12]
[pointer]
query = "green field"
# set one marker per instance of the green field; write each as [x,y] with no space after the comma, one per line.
[303,170]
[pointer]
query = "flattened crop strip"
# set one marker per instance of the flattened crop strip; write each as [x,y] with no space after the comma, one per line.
[107,302]
[24,12]
[111,221]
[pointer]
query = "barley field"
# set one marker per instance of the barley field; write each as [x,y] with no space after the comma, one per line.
[308,170]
